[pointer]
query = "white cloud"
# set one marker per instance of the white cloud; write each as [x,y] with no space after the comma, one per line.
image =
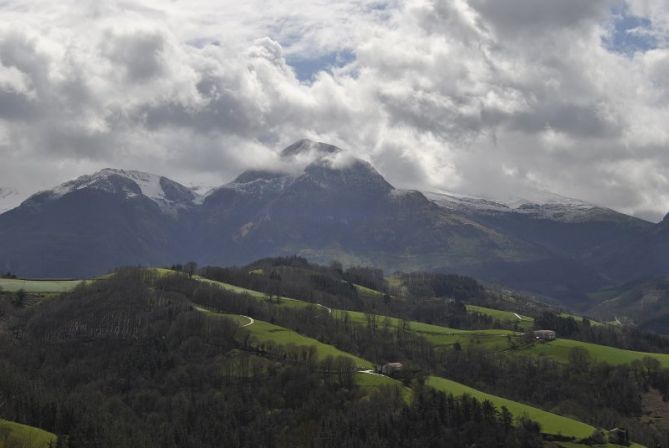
[472,95]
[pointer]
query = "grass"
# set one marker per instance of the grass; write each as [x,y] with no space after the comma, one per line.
[16,434]
[550,423]
[38,286]
[365,291]
[580,319]
[282,301]
[440,336]
[495,339]
[266,332]
[507,317]
[370,382]
[559,350]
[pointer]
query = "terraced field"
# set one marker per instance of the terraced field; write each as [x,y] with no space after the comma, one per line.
[266,332]
[550,423]
[495,339]
[282,301]
[559,350]
[368,291]
[18,435]
[373,381]
[508,317]
[38,286]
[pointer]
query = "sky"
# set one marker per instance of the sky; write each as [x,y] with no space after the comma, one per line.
[495,97]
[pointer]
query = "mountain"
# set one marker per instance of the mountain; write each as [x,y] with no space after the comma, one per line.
[644,303]
[9,198]
[331,205]
[340,208]
[578,235]
[645,255]
[87,226]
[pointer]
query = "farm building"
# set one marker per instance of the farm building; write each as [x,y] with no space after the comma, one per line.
[544,335]
[391,367]
[619,436]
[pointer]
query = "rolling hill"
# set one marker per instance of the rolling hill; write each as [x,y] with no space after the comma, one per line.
[17,435]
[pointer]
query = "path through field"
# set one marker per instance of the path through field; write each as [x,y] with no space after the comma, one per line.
[251,321]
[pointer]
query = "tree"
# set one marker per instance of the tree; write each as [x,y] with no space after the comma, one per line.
[190,268]
[20,298]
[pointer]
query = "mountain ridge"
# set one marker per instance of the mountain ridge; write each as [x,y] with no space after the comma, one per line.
[336,207]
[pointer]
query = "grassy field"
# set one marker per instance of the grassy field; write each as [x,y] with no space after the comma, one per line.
[365,291]
[440,336]
[282,301]
[550,423]
[370,382]
[580,319]
[267,332]
[507,317]
[38,286]
[583,445]
[14,434]
[495,339]
[559,350]
[444,336]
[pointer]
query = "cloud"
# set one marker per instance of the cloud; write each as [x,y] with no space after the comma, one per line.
[476,96]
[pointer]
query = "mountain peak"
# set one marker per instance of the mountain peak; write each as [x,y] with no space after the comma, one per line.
[9,198]
[165,192]
[309,147]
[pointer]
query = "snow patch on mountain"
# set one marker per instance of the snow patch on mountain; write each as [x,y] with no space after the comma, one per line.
[9,199]
[538,204]
[168,194]
[258,183]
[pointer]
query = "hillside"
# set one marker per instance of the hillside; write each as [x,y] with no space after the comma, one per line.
[18,435]
[644,303]
[163,358]
[346,321]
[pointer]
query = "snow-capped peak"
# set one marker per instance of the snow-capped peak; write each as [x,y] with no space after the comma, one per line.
[539,204]
[310,148]
[168,194]
[9,198]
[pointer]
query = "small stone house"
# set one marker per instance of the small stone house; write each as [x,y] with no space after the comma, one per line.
[619,436]
[544,335]
[391,367]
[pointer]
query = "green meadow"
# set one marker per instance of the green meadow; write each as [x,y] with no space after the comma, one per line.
[507,317]
[38,286]
[370,382]
[559,350]
[495,339]
[265,332]
[18,435]
[363,290]
[550,423]
[281,301]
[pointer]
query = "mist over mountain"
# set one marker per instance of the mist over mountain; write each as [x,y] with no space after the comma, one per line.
[330,206]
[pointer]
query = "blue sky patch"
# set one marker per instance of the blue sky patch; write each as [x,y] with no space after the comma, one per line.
[630,33]
[306,68]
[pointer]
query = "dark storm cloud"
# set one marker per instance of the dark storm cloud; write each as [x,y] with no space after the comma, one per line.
[139,54]
[513,17]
